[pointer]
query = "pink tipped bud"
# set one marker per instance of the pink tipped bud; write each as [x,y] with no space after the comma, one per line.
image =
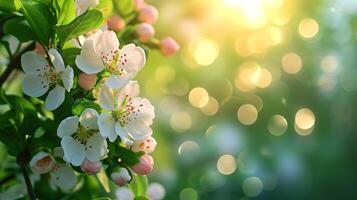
[139,4]
[148,14]
[39,49]
[121,177]
[169,46]
[146,145]
[145,166]
[145,32]
[116,23]
[87,81]
[90,167]
[42,163]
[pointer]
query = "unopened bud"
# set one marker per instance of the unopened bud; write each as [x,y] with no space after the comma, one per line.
[146,145]
[116,23]
[145,32]
[87,81]
[148,14]
[90,167]
[138,4]
[121,177]
[42,163]
[169,46]
[145,165]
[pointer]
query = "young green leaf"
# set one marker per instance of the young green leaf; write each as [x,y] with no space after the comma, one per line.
[40,19]
[82,104]
[124,7]
[139,185]
[142,198]
[90,20]
[65,11]
[19,28]
[10,5]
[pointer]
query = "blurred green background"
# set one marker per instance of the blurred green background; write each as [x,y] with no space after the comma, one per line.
[289,66]
[258,103]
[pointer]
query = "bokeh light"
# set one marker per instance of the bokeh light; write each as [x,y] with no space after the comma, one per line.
[206,52]
[198,97]
[252,186]
[188,194]
[277,125]
[211,107]
[180,121]
[247,114]
[291,63]
[304,121]
[308,28]
[226,164]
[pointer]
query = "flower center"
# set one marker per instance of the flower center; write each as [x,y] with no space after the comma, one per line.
[111,62]
[50,74]
[82,135]
[127,112]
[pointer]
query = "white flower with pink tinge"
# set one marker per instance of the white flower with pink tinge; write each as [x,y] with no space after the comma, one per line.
[40,76]
[126,114]
[84,5]
[80,138]
[101,51]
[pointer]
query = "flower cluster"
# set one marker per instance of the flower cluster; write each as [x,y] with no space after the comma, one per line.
[110,132]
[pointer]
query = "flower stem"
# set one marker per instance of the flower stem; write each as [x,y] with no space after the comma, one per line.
[29,187]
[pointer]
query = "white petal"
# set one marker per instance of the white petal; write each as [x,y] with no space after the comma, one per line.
[130,90]
[123,133]
[55,98]
[106,98]
[96,148]
[132,58]
[118,81]
[138,130]
[106,43]
[74,151]
[31,62]
[67,77]
[89,119]
[106,125]
[88,61]
[63,176]
[146,145]
[67,126]
[147,110]
[124,193]
[34,85]
[56,59]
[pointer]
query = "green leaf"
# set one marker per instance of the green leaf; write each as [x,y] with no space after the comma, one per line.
[65,10]
[19,28]
[90,20]
[82,104]
[40,19]
[124,7]
[10,5]
[103,179]
[142,198]
[127,156]
[139,185]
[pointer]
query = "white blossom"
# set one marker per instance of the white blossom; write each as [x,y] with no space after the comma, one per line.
[101,51]
[40,76]
[127,115]
[42,163]
[83,5]
[80,138]
[63,176]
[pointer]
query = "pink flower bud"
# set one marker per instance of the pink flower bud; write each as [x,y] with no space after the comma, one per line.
[148,14]
[169,46]
[39,49]
[116,23]
[139,4]
[145,32]
[146,145]
[145,166]
[42,163]
[87,81]
[121,177]
[90,167]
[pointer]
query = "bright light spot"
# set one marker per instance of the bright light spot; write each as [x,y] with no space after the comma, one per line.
[211,107]
[274,3]
[252,186]
[247,114]
[247,76]
[188,147]
[329,63]
[291,63]
[188,194]
[308,28]
[226,164]
[180,121]
[280,18]
[304,121]
[198,97]
[206,52]
[164,74]
[265,78]
[277,125]
[275,36]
